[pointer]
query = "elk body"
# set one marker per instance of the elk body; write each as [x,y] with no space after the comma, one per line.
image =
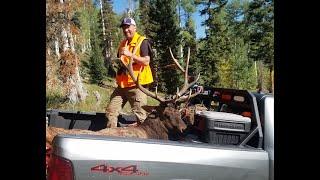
[156,126]
[163,121]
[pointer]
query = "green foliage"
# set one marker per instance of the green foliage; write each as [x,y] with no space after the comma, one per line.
[90,104]
[110,40]
[97,69]
[237,51]
[143,17]
[55,96]
[96,66]
[164,30]
[242,71]
[189,41]
[188,35]
[188,6]
[84,19]
[235,69]
[260,24]
[259,21]
[237,33]
[215,47]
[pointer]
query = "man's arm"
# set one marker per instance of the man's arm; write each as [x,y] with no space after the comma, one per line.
[144,54]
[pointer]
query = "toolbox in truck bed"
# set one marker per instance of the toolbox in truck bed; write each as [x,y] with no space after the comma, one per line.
[225,128]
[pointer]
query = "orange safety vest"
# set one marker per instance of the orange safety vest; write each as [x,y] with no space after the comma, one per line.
[145,77]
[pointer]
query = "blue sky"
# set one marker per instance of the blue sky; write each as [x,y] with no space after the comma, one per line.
[120,6]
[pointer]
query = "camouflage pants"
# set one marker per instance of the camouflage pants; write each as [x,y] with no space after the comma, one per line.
[119,98]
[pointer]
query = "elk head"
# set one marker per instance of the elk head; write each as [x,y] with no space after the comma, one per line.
[168,110]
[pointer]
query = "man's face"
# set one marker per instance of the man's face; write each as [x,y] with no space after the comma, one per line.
[128,31]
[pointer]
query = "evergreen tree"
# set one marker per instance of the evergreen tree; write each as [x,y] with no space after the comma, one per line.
[189,35]
[97,69]
[242,68]
[96,66]
[215,47]
[110,35]
[144,19]
[259,22]
[242,72]
[164,31]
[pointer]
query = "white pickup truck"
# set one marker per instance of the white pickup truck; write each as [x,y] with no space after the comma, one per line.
[233,139]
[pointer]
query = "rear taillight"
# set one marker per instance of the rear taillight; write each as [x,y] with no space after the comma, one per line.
[59,169]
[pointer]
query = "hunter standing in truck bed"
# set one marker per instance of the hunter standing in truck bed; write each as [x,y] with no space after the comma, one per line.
[135,46]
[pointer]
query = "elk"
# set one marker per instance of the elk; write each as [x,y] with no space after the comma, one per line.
[163,122]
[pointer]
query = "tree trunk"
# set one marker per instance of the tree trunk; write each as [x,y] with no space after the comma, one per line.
[83,47]
[65,41]
[56,47]
[102,20]
[76,90]
[271,79]
[70,38]
[255,69]
[89,42]
[260,76]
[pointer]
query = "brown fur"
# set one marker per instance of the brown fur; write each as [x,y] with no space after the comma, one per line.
[159,125]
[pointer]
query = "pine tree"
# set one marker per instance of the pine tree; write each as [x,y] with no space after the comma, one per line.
[110,37]
[188,35]
[215,47]
[242,72]
[259,22]
[164,31]
[144,19]
[96,66]
[97,69]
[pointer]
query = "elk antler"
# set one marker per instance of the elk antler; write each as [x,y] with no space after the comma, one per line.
[136,80]
[176,61]
[179,97]
[186,85]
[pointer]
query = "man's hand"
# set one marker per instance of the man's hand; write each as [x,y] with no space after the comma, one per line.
[137,59]
[125,51]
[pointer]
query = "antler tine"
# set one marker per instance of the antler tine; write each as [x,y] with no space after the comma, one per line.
[179,96]
[136,80]
[130,70]
[186,98]
[149,93]
[186,85]
[176,61]
[185,71]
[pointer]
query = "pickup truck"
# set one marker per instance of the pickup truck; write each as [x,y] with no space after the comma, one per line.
[232,139]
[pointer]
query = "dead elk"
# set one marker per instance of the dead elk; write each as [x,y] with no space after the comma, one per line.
[163,121]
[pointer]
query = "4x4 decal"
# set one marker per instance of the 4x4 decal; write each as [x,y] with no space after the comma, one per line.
[130,170]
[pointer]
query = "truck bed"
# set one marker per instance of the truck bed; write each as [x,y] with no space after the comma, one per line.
[120,158]
[96,157]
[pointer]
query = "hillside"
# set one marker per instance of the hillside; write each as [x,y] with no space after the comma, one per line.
[56,100]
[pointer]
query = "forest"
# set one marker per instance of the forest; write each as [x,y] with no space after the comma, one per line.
[82,38]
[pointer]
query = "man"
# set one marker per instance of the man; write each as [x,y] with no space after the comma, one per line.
[127,90]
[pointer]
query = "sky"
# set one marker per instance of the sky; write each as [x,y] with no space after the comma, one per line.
[120,6]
